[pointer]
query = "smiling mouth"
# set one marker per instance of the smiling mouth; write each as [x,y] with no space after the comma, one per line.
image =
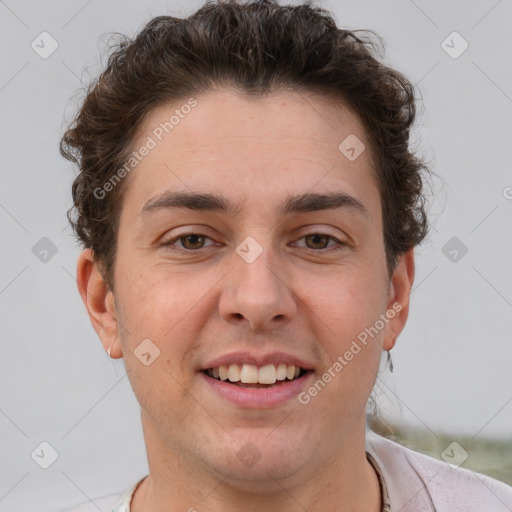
[251,376]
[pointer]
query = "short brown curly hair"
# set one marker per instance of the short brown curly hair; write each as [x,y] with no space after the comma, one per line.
[256,47]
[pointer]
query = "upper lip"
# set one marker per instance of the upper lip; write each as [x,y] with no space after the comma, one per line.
[257,360]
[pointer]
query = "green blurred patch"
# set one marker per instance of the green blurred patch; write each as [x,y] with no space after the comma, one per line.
[488,456]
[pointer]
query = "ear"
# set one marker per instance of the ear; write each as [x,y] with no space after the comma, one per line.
[400,287]
[99,302]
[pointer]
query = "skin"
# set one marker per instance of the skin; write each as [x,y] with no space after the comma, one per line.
[299,296]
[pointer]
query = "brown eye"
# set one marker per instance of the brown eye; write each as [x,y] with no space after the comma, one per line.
[186,243]
[317,241]
[192,242]
[321,243]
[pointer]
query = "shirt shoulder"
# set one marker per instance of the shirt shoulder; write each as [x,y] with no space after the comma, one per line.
[106,503]
[420,483]
[119,502]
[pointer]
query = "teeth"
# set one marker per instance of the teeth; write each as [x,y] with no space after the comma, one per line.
[267,374]
[234,373]
[223,372]
[251,374]
[281,372]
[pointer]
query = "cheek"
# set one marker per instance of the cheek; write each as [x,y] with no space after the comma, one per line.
[162,395]
[154,301]
[166,309]
[347,301]
[351,306]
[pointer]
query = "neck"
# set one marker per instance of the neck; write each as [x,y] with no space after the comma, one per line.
[346,482]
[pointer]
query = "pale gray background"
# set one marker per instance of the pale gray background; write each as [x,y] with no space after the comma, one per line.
[452,362]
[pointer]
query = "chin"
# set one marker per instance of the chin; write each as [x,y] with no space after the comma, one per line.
[250,462]
[265,476]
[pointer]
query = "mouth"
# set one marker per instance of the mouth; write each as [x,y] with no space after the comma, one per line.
[256,377]
[247,379]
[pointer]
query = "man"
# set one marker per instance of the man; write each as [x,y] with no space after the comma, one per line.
[249,209]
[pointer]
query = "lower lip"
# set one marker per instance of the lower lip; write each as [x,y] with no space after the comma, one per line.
[258,397]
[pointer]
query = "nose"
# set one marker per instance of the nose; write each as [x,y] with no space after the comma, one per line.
[257,293]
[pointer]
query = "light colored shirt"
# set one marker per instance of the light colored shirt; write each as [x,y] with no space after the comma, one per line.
[409,482]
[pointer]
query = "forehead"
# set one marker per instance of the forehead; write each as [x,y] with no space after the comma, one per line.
[278,121]
[252,147]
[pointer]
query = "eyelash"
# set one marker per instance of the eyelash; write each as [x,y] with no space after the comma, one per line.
[169,243]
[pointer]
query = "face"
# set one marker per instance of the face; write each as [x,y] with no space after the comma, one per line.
[280,262]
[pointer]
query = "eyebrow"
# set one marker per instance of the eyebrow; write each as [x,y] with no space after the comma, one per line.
[217,203]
